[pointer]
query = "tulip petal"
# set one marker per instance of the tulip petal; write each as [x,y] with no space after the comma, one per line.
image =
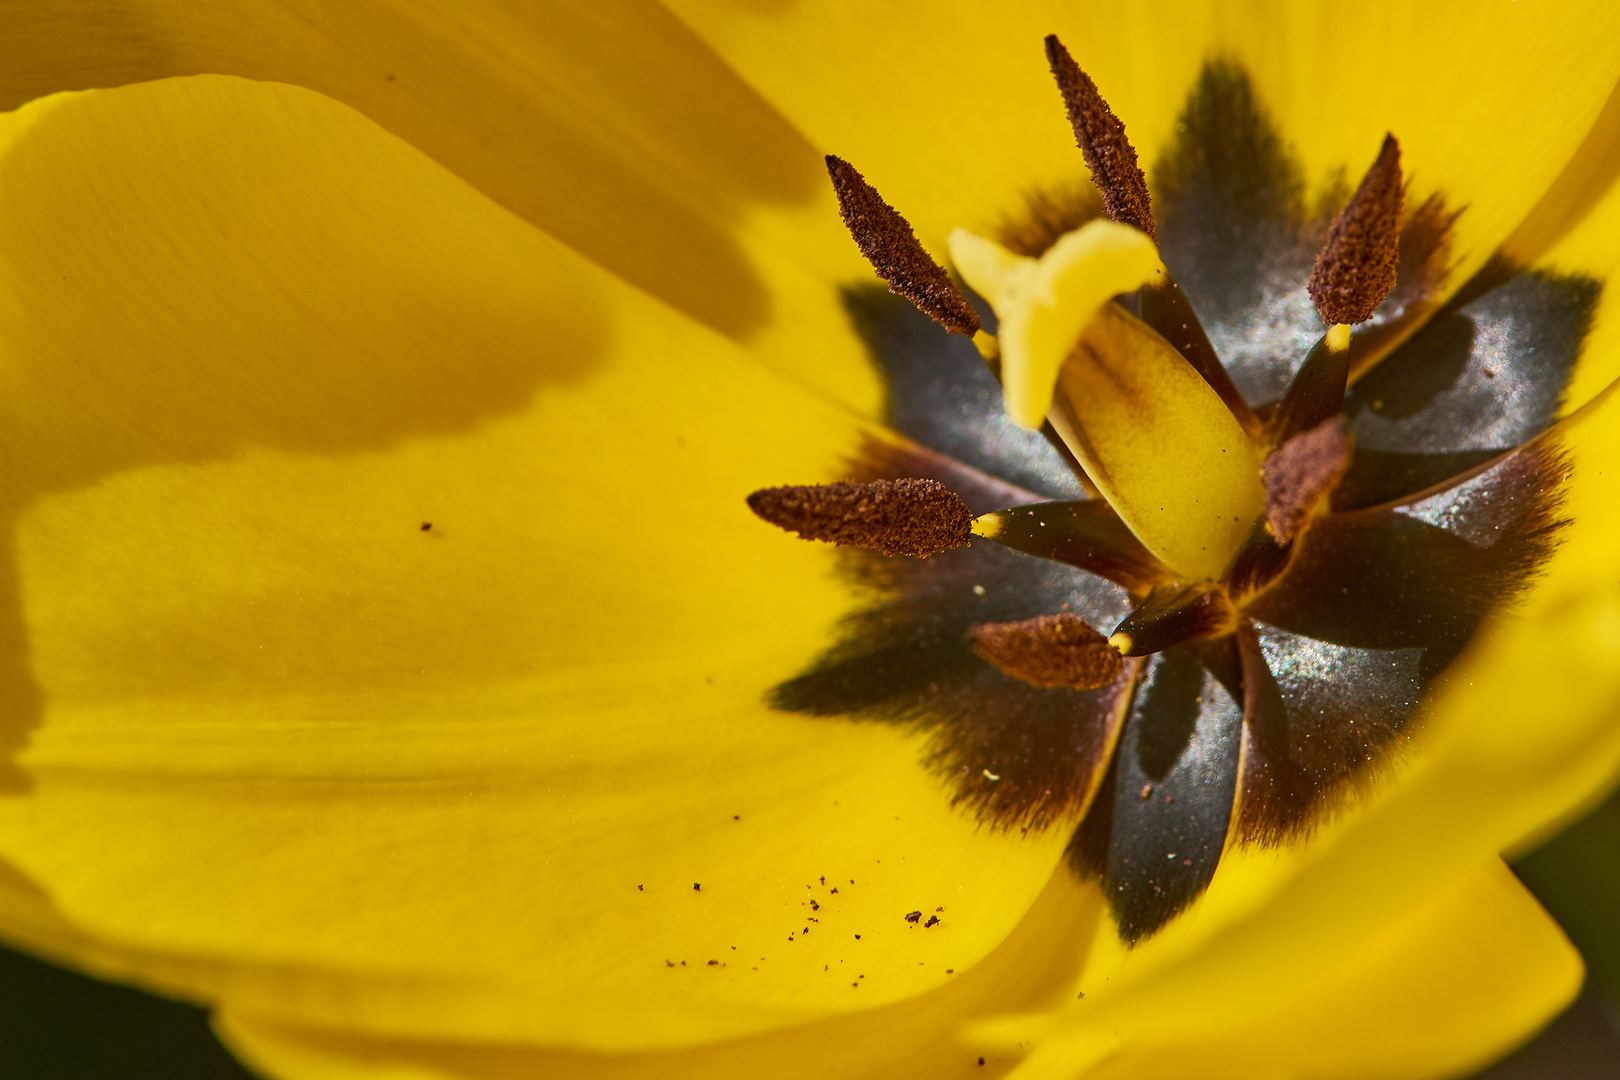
[618,131]
[392,625]
[611,126]
[1034,968]
[1589,250]
[1442,990]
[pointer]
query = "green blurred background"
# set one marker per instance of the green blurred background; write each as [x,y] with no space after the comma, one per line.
[58,1025]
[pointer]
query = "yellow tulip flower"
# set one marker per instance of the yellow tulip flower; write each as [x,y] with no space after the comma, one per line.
[391,662]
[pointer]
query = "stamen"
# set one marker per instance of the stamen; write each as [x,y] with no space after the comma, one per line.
[1173,614]
[897,517]
[1086,534]
[1356,268]
[1101,137]
[1299,472]
[1049,651]
[888,243]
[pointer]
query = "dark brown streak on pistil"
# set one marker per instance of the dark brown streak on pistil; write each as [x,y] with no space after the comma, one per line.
[888,243]
[1049,651]
[896,517]
[1101,137]
[1356,268]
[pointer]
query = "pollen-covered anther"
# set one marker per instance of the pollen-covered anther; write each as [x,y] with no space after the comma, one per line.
[897,517]
[888,243]
[1356,267]
[1101,137]
[1299,472]
[1048,651]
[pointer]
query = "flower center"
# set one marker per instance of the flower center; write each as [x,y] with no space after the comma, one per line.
[1237,621]
[1215,494]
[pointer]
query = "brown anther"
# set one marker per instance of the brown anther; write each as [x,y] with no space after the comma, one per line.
[1101,136]
[888,243]
[1049,651]
[897,517]
[1299,472]
[1356,268]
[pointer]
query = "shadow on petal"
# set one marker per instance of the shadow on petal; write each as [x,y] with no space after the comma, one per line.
[196,267]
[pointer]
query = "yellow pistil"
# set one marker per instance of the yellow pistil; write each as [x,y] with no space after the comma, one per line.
[1338,337]
[1151,434]
[1044,303]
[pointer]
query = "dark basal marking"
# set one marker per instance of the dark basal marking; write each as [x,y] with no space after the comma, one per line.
[897,517]
[1316,715]
[1257,563]
[888,243]
[1101,138]
[1048,651]
[1373,607]
[1356,268]
[1233,229]
[942,395]
[1299,472]
[1421,574]
[907,661]
[1180,746]
[1479,379]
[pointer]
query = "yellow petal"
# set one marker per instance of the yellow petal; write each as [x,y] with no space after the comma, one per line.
[920,1038]
[611,126]
[620,132]
[1592,249]
[1044,303]
[1448,987]
[290,748]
